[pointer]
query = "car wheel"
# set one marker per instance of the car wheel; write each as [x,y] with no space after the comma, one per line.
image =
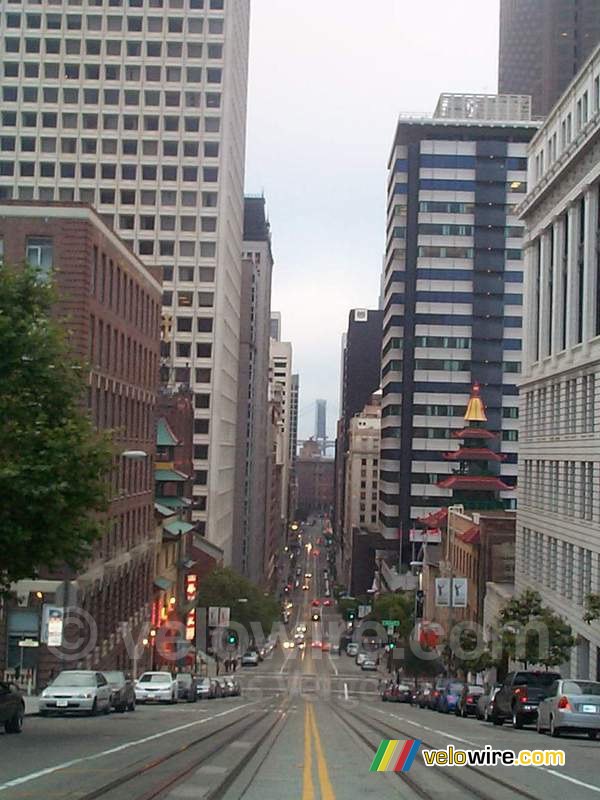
[106,709]
[173,699]
[538,725]
[94,709]
[497,719]
[554,729]
[15,723]
[593,734]
[121,708]
[517,721]
[457,712]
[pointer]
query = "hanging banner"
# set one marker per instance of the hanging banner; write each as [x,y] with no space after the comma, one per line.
[459,592]
[431,536]
[52,625]
[442,592]
[213,617]
[223,616]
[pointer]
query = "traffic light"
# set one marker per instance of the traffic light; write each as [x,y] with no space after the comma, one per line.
[391,645]
[351,614]
[232,638]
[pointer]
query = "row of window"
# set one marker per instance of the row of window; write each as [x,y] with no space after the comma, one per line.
[430,251]
[213,5]
[563,487]
[186,299]
[184,350]
[127,172]
[168,148]
[109,97]
[394,409]
[110,122]
[116,47]
[565,408]
[112,351]
[128,416]
[133,23]
[559,565]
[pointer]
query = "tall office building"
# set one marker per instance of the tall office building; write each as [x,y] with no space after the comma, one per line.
[453,302]
[280,373]
[141,112]
[543,44]
[321,420]
[253,410]
[295,399]
[558,516]
[276,325]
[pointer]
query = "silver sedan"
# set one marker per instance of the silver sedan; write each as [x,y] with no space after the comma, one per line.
[85,691]
[571,705]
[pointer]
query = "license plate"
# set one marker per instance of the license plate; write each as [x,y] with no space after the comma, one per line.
[590,709]
[62,703]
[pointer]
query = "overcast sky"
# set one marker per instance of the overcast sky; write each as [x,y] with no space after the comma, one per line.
[327,81]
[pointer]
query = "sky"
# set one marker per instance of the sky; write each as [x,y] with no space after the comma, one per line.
[327,81]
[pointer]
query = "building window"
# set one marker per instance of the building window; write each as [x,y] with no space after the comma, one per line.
[39,253]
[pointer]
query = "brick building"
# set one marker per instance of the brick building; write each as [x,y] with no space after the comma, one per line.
[315,479]
[110,304]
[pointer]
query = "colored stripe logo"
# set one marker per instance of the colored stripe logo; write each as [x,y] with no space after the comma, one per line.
[395,755]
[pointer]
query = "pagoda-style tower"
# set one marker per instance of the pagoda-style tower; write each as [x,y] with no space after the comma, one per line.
[473,484]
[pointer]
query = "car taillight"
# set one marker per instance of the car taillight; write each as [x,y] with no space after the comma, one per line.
[435,694]
[564,703]
[469,698]
[523,698]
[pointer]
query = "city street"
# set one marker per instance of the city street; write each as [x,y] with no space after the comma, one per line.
[308,725]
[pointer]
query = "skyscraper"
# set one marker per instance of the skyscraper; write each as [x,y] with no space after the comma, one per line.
[142,113]
[321,420]
[453,278]
[253,411]
[543,44]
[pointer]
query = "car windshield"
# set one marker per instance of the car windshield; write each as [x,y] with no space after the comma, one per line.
[581,687]
[114,677]
[204,682]
[75,679]
[162,677]
[535,678]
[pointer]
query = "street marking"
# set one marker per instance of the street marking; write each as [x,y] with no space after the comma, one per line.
[308,790]
[327,792]
[32,776]
[333,666]
[346,692]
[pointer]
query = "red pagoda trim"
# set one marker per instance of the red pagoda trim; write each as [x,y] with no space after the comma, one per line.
[433,520]
[485,483]
[474,454]
[471,536]
[474,433]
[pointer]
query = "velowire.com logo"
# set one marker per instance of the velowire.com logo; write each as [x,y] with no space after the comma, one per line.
[395,755]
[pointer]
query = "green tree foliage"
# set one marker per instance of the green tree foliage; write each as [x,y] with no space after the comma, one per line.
[469,656]
[592,608]
[399,606]
[528,632]
[417,662]
[53,465]
[224,587]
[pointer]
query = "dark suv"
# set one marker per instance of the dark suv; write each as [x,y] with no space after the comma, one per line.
[520,695]
[12,708]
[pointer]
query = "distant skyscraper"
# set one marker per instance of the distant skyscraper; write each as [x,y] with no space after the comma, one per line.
[321,420]
[294,419]
[543,44]
[276,325]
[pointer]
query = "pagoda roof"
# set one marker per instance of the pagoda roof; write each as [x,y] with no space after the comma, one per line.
[471,536]
[486,483]
[475,410]
[474,433]
[474,454]
[433,520]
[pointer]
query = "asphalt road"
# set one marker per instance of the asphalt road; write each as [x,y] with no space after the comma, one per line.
[307,726]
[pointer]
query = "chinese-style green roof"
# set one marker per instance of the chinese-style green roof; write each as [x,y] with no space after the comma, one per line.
[173,502]
[178,527]
[164,435]
[163,510]
[169,475]
[163,583]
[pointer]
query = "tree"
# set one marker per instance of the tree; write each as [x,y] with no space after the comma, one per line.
[395,606]
[592,606]
[417,661]
[53,465]
[224,587]
[469,656]
[528,632]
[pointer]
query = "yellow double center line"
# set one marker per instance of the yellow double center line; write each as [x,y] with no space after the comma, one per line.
[311,730]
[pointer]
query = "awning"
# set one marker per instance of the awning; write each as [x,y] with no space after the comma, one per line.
[433,520]
[178,527]
[169,475]
[474,454]
[163,583]
[174,502]
[163,510]
[467,482]
[470,536]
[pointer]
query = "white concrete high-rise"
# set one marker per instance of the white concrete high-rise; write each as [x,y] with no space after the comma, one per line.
[140,110]
[281,374]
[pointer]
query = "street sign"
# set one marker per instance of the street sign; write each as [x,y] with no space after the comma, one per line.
[363,611]
[213,616]
[431,536]
[390,629]
[223,616]
[29,643]
[390,623]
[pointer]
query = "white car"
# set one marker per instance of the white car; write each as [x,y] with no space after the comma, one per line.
[250,658]
[361,658]
[156,686]
[352,649]
[82,690]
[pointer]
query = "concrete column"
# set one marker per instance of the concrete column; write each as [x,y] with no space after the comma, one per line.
[557,303]
[572,277]
[530,327]
[589,265]
[544,295]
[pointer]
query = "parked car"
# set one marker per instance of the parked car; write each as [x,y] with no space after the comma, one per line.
[186,687]
[422,696]
[436,693]
[467,702]
[122,691]
[388,691]
[250,659]
[570,705]
[361,657]
[449,696]
[368,665]
[352,649]
[215,687]
[226,687]
[76,690]
[204,689]
[235,687]
[520,696]
[156,686]
[12,708]
[485,704]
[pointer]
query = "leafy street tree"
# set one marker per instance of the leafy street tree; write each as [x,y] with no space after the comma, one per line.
[53,465]
[395,606]
[224,587]
[528,632]
[592,608]
[469,656]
